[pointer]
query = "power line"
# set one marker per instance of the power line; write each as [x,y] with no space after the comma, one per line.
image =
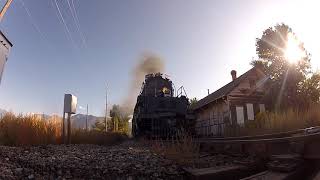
[64,23]
[33,22]
[76,21]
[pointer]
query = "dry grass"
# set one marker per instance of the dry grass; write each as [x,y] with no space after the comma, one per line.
[291,119]
[182,149]
[274,122]
[28,130]
[80,136]
[21,130]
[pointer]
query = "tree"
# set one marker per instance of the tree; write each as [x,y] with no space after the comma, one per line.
[287,77]
[311,89]
[119,119]
[193,101]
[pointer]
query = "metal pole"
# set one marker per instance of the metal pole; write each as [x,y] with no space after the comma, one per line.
[63,138]
[69,129]
[5,8]
[87,118]
[106,118]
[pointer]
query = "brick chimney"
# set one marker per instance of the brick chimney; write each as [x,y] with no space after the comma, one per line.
[234,74]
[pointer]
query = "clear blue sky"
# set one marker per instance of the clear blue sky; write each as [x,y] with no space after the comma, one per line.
[200,42]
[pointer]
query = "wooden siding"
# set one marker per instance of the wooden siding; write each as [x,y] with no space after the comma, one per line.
[251,87]
[249,91]
[212,119]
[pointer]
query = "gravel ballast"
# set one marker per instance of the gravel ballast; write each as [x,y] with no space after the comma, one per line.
[129,160]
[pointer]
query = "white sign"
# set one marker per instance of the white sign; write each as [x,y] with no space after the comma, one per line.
[5,46]
[70,103]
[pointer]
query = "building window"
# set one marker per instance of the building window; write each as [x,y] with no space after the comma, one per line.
[240,116]
[250,112]
[262,107]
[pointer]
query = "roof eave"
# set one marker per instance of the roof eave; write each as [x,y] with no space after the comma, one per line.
[6,38]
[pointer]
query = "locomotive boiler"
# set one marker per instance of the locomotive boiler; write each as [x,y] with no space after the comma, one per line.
[159,111]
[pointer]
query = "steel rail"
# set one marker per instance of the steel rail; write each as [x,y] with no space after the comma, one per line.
[263,136]
[303,137]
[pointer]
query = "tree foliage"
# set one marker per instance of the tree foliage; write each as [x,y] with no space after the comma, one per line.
[311,89]
[291,83]
[193,101]
[118,121]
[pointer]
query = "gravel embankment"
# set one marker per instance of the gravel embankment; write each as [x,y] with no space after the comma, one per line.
[125,161]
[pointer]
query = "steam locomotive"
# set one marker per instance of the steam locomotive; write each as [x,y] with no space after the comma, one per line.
[158,111]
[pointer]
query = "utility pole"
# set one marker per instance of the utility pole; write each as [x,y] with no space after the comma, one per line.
[106,115]
[87,118]
[5,8]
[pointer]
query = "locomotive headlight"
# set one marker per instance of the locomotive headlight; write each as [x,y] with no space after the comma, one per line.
[165,90]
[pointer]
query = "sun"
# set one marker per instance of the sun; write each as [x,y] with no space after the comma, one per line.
[293,52]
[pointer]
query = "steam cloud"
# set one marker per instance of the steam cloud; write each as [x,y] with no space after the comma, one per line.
[149,63]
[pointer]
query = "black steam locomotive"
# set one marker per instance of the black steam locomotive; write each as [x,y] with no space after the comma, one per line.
[158,112]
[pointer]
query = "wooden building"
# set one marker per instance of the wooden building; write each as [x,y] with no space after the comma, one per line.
[235,104]
[5,46]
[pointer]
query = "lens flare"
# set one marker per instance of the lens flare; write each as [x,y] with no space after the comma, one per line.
[293,52]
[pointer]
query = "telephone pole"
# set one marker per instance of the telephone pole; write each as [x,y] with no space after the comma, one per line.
[87,118]
[106,115]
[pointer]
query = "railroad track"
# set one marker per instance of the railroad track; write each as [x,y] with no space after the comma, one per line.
[283,160]
[261,139]
[305,131]
[286,155]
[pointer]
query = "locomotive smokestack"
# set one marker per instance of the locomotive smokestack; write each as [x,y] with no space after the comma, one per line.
[149,63]
[234,74]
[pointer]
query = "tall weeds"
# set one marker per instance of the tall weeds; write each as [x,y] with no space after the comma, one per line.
[291,119]
[182,149]
[274,122]
[80,136]
[29,130]
[21,130]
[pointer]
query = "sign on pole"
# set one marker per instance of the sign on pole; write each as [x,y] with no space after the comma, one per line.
[70,107]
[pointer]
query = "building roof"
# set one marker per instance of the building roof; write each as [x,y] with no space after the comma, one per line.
[225,90]
[6,38]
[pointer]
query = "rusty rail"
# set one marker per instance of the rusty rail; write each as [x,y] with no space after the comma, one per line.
[263,136]
[262,140]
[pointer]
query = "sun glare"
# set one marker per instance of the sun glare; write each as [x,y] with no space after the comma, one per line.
[293,53]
